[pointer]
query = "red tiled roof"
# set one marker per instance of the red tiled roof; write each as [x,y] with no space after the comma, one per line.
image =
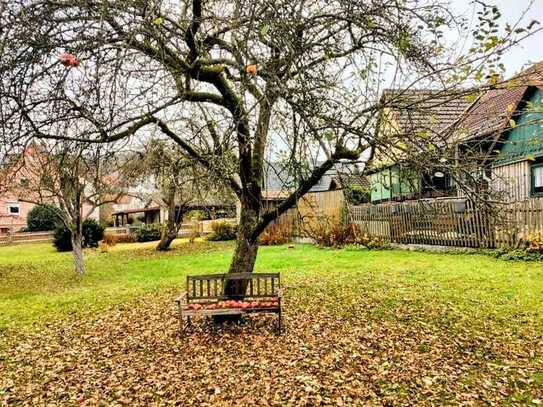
[417,110]
[490,113]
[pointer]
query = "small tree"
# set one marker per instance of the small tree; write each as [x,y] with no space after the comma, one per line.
[78,178]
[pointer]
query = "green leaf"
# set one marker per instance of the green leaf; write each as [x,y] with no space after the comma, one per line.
[423,134]
[264,30]
[492,43]
[512,123]
[157,21]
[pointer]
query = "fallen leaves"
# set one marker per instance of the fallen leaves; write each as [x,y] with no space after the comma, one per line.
[132,355]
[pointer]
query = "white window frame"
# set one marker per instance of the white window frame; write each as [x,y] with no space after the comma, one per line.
[13,205]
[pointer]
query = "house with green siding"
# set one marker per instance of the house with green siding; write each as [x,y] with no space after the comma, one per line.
[517,170]
[504,124]
[510,122]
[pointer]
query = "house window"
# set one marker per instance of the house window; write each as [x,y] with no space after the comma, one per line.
[537,179]
[13,208]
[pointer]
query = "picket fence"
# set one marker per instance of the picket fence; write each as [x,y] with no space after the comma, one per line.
[451,222]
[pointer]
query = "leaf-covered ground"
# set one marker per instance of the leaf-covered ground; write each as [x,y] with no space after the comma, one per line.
[362,328]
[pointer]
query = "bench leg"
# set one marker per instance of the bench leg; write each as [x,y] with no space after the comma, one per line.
[279,318]
[182,326]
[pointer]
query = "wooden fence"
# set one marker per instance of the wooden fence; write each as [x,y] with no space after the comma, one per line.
[313,209]
[187,229]
[519,220]
[451,222]
[25,237]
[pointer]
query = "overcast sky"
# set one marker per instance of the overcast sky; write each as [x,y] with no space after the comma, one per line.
[531,49]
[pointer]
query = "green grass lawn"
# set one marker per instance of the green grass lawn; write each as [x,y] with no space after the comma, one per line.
[38,283]
[468,324]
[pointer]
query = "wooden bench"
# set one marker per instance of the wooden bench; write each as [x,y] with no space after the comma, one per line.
[248,293]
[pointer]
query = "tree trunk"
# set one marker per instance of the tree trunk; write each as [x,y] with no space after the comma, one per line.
[175,217]
[168,236]
[77,250]
[244,257]
[246,245]
[243,260]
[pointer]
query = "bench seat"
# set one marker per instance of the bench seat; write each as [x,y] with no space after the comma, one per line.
[205,296]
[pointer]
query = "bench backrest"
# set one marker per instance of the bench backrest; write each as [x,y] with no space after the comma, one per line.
[249,285]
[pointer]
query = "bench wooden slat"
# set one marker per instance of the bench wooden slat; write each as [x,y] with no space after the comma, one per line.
[199,287]
[232,276]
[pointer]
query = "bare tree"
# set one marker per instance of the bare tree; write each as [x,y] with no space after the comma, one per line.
[179,183]
[78,179]
[292,78]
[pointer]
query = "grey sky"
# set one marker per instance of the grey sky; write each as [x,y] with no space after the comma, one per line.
[531,49]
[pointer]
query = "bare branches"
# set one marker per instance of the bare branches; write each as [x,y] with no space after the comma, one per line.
[311,98]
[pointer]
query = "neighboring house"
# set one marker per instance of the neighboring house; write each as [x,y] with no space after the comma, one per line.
[412,120]
[279,180]
[154,213]
[518,169]
[143,201]
[16,197]
[504,126]
[508,124]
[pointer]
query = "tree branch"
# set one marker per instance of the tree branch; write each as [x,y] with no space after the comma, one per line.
[191,150]
[303,188]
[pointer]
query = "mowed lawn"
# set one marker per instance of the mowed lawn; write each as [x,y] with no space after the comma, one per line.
[362,328]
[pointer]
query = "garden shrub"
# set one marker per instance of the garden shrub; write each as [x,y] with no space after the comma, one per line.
[333,235]
[93,233]
[193,236]
[518,254]
[149,233]
[112,240]
[274,235]
[530,249]
[42,218]
[534,243]
[222,231]
[62,239]
[357,195]
[341,235]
